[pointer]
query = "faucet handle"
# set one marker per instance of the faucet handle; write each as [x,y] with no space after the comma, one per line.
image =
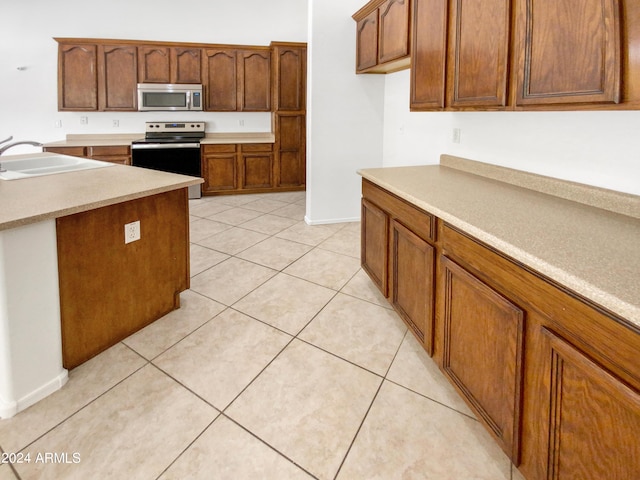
[6,139]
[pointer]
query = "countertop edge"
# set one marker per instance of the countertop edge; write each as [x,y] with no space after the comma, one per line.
[629,313]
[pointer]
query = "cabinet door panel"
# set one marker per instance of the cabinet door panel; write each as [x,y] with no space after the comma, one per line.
[290,78]
[478,53]
[290,145]
[375,240]
[367,42]
[221,80]
[257,170]
[78,77]
[255,81]
[569,51]
[412,277]
[186,65]
[394,30]
[154,64]
[118,77]
[220,172]
[428,54]
[482,354]
[593,419]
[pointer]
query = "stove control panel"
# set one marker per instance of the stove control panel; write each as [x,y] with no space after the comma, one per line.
[174,127]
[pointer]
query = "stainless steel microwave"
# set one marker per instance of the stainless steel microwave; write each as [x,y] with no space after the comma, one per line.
[169,97]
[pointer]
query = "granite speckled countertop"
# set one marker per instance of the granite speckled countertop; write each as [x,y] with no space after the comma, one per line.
[588,241]
[31,200]
[107,140]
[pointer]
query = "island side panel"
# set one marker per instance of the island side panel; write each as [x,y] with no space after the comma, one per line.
[109,289]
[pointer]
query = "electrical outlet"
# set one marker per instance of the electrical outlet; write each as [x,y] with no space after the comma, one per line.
[132,232]
[84,120]
[241,123]
[456,135]
[116,123]
[58,124]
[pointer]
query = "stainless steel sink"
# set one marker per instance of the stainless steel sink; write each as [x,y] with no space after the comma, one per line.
[45,164]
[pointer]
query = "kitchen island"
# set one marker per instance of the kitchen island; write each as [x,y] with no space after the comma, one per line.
[69,284]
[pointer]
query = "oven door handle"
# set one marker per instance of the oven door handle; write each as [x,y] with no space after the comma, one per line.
[163,146]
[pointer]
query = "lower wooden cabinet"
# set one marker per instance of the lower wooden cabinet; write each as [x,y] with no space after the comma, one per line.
[290,147]
[554,378]
[110,153]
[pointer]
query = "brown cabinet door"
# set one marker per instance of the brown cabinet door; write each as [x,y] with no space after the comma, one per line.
[77,77]
[393,41]
[290,69]
[428,54]
[256,170]
[186,65]
[219,168]
[221,80]
[290,150]
[73,151]
[478,53]
[374,247]
[367,42]
[412,281]
[254,80]
[593,422]
[482,334]
[154,64]
[569,52]
[117,82]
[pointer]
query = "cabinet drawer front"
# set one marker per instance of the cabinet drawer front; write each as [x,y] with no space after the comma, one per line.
[73,151]
[419,221]
[257,147]
[109,150]
[226,148]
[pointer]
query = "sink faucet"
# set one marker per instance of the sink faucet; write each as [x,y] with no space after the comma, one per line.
[25,142]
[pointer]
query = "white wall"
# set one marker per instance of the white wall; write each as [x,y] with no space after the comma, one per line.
[345,114]
[596,148]
[28,98]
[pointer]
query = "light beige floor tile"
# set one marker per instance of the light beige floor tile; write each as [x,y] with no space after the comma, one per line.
[202,258]
[316,403]
[220,359]
[287,197]
[361,286]
[206,209]
[312,235]
[265,205]
[202,228]
[233,241]
[86,383]
[365,334]
[286,302]
[155,338]
[427,441]
[235,216]
[414,369]
[230,280]
[237,200]
[133,431]
[269,224]
[227,452]
[325,268]
[6,473]
[346,241]
[294,211]
[276,253]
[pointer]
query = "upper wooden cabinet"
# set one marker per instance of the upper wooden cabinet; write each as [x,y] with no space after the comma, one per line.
[568,52]
[289,62]
[160,64]
[478,53]
[237,80]
[77,77]
[383,36]
[524,54]
[117,77]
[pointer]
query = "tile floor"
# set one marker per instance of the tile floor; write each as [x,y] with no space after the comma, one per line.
[282,363]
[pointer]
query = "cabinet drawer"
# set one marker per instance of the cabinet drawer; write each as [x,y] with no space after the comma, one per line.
[108,150]
[419,221]
[226,148]
[73,151]
[257,147]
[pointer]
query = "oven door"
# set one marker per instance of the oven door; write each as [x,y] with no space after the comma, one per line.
[182,158]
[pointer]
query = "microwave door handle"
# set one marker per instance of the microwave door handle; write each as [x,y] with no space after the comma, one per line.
[188,100]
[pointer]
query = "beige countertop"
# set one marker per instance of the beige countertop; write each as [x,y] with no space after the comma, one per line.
[31,200]
[590,250]
[106,140]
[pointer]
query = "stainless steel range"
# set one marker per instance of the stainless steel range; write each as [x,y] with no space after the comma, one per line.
[171,147]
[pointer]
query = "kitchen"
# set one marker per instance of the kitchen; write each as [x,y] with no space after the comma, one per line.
[353,121]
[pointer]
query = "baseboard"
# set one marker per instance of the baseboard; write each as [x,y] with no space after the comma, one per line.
[327,221]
